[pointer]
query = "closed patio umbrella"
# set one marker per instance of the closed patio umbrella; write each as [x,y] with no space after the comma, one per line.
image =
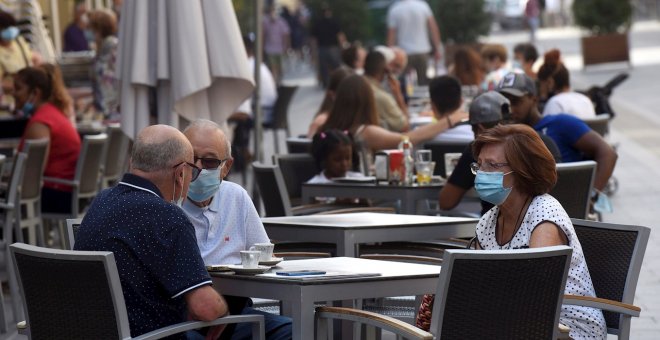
[189,53]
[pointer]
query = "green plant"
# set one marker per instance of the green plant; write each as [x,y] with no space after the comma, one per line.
[603,16]
[461,21]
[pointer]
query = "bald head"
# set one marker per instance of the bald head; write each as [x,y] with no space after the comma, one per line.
[203,131]
[400,60]
[159,147]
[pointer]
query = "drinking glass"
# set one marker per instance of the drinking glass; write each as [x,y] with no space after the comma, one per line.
[423,156]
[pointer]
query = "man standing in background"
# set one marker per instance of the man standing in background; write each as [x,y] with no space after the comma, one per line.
[411,26]
[276,41]
[328,37]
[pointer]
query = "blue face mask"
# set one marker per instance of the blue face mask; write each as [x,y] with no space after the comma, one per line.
[28,109]
[490,186]
[10,33]
[205,186]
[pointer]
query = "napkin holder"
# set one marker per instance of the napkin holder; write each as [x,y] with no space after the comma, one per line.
[389,166]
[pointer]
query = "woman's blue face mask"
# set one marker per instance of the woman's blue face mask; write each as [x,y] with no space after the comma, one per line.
[490,186]
[10,33]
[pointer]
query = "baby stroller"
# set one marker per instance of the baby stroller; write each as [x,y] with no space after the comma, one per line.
[600,96]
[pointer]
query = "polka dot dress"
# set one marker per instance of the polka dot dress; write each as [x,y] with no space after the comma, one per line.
[585,323]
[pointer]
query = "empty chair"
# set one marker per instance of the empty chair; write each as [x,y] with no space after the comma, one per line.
[85,183]
[438,151]
[575,181]
[273,192]
[30,193]
[600,123]
[9,207]
[298,145]
[115,156]
[296,169]
[483,295]
[614,255]
[84,299]
[280,113]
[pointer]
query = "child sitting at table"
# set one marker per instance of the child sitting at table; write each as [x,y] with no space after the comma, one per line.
[334,156]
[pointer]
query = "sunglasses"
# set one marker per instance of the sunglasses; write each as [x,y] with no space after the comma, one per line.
[195,169]
[210,163]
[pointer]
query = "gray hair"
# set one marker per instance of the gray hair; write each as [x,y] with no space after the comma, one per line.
[208,124]
[151,157]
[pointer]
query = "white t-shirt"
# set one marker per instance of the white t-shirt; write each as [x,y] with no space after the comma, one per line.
[410,20]
[459,133]
[267,90]
[572,103]
[585,322]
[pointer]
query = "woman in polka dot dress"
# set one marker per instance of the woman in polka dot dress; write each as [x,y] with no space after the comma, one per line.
[515,171]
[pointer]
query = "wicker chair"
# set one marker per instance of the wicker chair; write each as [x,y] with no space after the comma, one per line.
[115,156]
[438,151]
[93,306]
[614,255]
[30,193]
[281,114]
[9,208]
[468,309]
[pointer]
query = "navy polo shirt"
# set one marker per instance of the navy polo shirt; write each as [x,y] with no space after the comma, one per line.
[565,130]
[155,249]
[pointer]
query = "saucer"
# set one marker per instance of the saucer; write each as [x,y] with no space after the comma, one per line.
[272,262]
[218,268]
[239,269]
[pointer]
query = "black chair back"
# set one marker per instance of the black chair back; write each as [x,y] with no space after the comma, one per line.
[614,255]
[499,303]
[281,108]
[299,145]
[81,300]
[296,169]
[573,189]
[271,186]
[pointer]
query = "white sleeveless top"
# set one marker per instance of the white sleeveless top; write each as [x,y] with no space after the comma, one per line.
[585,322]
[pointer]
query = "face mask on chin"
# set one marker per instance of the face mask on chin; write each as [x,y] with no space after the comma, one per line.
[490,186]
[205,186]
[177,201]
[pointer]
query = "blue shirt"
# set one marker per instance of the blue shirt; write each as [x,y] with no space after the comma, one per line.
[154,247]
[226,226]
[565,130]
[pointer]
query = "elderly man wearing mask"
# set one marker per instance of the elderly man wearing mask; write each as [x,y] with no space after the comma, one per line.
[224,218]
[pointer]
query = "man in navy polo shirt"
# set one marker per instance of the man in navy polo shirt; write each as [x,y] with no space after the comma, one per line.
[576,141]
[162,274]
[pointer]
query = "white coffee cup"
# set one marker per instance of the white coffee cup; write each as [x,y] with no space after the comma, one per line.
[250,258]
[266,250]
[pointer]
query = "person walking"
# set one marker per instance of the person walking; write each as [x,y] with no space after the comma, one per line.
[532,14]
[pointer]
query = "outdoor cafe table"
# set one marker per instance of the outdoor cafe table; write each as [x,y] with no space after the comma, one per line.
[347,231]
[346,279]
[408,194]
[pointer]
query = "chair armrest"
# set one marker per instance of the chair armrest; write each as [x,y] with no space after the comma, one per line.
[563,332]
[61,181]
[395,326]
[604,304]
[189,325]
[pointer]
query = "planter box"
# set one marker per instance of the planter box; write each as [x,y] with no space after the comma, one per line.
[605,49]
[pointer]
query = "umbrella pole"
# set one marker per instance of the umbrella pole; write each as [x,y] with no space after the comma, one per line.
[258,118]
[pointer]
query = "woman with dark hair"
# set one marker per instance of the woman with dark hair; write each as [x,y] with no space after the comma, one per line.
[515,171]
[355,111]
[105,84]
[33,93]
[555,90]
[328,101]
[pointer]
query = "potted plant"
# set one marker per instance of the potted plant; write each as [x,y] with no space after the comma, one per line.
[461,22]
[608,22]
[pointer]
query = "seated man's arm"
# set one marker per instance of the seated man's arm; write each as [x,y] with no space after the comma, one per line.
[450,196]
[593,146]
[205,304]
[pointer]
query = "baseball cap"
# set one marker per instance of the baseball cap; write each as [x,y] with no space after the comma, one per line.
[489,107]
[516,84]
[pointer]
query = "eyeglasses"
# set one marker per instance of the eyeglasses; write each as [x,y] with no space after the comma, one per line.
[487,167]
[195,169]
[210,163]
